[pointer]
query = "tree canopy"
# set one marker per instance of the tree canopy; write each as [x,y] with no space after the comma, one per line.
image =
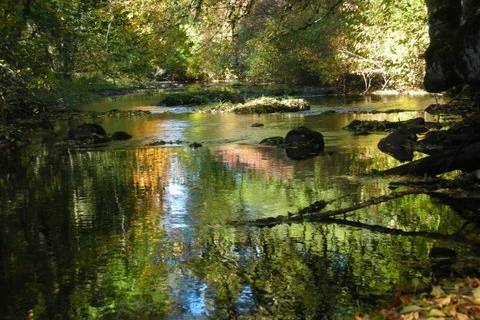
[332,42]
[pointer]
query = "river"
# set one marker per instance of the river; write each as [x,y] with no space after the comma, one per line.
[129,231]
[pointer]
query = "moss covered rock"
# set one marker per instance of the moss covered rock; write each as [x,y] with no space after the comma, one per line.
[261,105]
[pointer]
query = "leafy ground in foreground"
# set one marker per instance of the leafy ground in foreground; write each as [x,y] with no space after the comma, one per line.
[456,299]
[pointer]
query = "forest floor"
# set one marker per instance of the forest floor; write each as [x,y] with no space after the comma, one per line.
[456,299]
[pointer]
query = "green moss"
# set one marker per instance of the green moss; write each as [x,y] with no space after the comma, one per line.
[261,105]
[196,95]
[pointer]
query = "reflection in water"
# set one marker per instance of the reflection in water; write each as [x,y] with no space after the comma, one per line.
[143,233]
[267,161]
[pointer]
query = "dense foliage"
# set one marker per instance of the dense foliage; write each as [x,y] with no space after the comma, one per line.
[333,42]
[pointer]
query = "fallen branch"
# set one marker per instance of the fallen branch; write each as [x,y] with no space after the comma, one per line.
[319,216]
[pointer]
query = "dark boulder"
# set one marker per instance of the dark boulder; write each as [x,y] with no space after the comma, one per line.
[88,133]
[362,127]
[257,125]
[120,135]
[399,144]
[85,131]
[273,141]
[416,125]
[196,145]
[303,143]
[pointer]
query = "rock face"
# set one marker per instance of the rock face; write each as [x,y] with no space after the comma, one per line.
[88,132]
[120,135]
[303,143]
[453,55]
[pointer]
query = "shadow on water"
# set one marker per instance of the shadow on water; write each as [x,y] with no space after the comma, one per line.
[142,233]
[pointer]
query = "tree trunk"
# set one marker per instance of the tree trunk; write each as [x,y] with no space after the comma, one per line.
[444,18]
[453,57]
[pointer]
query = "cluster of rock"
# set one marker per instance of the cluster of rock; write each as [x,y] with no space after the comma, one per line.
[454,148]
[92,134]
[364,127]
[403,139]
[158,143]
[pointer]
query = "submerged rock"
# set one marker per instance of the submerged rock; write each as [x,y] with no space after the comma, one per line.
[257,125]
[416,125]
[303,143]
[273,141]
[90,133]
[157,143]
[163,143]
[120,135]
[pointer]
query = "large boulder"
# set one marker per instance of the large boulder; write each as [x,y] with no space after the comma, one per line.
[302,143]
[88,133]
[402,142]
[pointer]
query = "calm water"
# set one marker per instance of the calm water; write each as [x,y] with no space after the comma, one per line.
[135,232]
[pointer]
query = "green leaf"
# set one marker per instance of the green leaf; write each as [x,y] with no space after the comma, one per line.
[476,293]
[410,308]
[437,292]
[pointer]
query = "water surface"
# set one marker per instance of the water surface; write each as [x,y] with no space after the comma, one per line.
[135,232]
